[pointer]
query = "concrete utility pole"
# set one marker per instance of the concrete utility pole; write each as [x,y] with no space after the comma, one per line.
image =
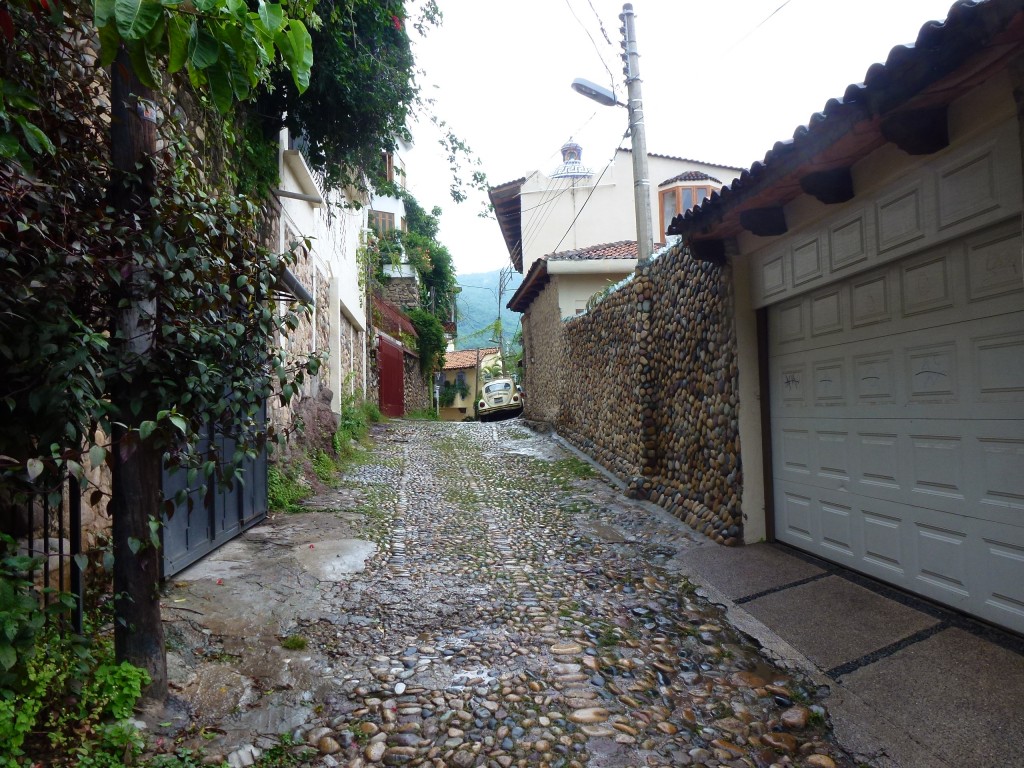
[641,180]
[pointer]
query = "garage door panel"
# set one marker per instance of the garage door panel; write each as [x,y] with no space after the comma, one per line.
[897,402]
[1004,587]
[999,367]
[963,467]
[920,374]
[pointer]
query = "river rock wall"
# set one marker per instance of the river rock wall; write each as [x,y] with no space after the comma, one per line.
[598,409]
[649,388]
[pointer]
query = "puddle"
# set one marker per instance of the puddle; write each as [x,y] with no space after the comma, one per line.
[331,560]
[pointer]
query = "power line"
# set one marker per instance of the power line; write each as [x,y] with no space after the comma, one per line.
[592,190]
[593,42]
[758,26]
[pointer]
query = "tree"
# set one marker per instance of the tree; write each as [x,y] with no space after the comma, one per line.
[151,276]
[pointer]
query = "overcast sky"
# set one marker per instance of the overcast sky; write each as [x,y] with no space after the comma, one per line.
[723,80]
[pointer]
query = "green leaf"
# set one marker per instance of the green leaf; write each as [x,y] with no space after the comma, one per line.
[146,429]
[82,561]
[302,54]
[34,468]
[144,62]
[8,656]
[180,32]
[271,15]
[110,42]
[97,455]
[103,12]
[134,545]
[136,17]
[179,422]
[220,87]
[37,140]
[203,50]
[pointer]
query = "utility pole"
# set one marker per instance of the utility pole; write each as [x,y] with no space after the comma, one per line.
[641,177]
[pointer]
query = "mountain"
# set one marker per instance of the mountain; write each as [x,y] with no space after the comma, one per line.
[478,308]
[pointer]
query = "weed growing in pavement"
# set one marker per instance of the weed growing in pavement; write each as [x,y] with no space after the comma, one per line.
[295,643]
[462,497]
[326,468]
[284,491]
[423,414]
[517,434]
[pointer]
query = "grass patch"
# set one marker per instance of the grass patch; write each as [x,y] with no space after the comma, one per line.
[284,491]
[295,643]
[423,414]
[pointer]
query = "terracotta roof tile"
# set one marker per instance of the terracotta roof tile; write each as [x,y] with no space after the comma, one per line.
[623,249]
[690,176]
[466,358]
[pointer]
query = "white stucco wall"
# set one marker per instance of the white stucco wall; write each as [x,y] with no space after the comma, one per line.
[334,230]
[604,203]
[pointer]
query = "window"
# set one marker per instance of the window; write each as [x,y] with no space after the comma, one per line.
[460,379]
[678,200]
[389,167]
[381,221]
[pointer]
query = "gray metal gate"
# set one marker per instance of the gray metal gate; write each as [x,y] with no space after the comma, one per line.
[202,524]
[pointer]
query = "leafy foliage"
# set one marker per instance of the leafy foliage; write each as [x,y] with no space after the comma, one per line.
[360,92]
[206,288]
[58,692]
[431,340]
[284,492]
[224,47]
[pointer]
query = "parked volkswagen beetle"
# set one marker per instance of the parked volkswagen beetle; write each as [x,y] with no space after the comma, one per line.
[500,397]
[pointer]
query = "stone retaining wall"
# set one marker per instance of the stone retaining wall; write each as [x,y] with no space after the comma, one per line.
[598,409]
[648,387]
[543,347]
[417,395]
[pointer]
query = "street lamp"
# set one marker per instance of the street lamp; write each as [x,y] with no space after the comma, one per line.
[641,182]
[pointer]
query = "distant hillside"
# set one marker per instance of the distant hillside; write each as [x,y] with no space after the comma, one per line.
[478,309]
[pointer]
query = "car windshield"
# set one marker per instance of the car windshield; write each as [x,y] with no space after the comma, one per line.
[498,386]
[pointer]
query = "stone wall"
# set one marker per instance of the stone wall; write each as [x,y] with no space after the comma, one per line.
[417,395]
[401,291]
[649,388]
[543,356]
[598,393]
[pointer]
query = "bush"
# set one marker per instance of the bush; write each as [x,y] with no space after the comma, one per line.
[62,697]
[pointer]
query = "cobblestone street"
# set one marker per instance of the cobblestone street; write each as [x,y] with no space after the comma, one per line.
[516,610]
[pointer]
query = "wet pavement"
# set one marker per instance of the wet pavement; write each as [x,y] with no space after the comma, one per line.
[475,595]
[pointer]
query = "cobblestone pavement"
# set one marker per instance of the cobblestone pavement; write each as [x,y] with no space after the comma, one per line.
[516,611]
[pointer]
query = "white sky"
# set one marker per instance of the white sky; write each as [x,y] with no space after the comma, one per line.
[723,80]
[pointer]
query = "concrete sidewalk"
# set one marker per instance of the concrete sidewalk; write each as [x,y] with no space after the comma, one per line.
[911,684]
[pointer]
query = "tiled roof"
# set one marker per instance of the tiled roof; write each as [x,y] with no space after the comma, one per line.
[466,358]
[537,276]
[980,34]
[391,319]
[690,176]
[623,249]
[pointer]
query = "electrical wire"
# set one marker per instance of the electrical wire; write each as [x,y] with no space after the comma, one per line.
[611,77]
[758,26]
[592,190]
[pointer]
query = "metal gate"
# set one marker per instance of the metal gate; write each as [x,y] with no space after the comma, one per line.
[392,378]
[201,524]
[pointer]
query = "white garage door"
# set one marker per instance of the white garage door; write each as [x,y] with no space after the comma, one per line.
[897,420]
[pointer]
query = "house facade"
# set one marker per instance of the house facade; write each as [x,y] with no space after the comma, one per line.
[877,270]
[572,234]
[575,207]
[464,371]
[556,287]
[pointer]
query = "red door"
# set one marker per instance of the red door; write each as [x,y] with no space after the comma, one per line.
[392,378]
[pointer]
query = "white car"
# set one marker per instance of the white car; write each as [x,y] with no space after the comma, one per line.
[500,397]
